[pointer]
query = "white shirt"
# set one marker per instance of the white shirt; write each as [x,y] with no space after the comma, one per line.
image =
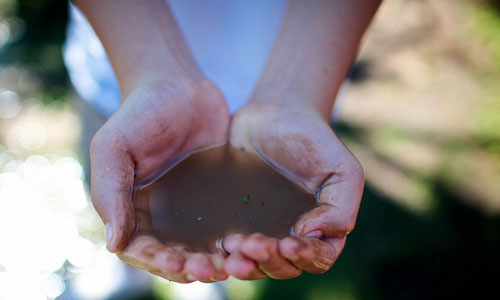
[230,39]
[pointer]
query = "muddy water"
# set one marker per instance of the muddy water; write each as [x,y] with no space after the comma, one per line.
[215,192]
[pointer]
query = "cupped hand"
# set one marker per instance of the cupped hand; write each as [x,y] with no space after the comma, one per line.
[300,142]
[157,120]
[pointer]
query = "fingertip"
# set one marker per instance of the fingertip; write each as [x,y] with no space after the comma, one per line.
[199,267]
[290,247]
[108,234]
[299,227]
[118,238]
[265,252]
[259,247]
[112,244]
[232,242]
[169,262]
[237,266]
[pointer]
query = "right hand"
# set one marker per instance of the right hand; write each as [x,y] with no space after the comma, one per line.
[157,120]
[298,139]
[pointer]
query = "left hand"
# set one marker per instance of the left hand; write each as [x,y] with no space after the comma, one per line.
[159,120]
[300,141]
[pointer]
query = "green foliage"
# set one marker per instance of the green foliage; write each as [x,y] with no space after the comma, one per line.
[485,19]
[37,33]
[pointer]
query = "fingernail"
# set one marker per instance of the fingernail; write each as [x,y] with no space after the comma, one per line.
[109,234]
[318,233]
[190,277]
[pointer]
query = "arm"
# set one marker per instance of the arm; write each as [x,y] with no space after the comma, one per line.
[313,53]
[168,108]
[286,120]
[142,41]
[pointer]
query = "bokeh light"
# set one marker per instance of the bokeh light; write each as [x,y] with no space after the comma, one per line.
[102,275]
[39,203]
[4,33]
[10,104]
[195,291]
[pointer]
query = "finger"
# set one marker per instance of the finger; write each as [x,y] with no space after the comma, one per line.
[180,278]
[236,264]
[112,179]
[146,252]
[339,200]
[232,242]
[218,261]
[242,268]
[204,267]
[265,252]
[194,268]
[311,254]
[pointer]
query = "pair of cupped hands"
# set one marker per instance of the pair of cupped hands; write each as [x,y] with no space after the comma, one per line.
[160,119]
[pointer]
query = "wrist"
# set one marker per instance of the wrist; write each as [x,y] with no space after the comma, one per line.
[161,69]
[290,94]
[197,98]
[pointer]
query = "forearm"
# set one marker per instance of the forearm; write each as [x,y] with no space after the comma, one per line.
[313,52]
[142,40]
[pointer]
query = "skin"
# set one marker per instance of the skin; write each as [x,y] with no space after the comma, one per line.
[169,107]
[153,124]
[287,121]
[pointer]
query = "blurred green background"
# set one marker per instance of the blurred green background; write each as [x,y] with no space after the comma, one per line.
[421,111]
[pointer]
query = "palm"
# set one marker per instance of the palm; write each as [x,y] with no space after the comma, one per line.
[157,122]
[296,140]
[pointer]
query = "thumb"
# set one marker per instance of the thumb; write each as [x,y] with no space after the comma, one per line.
[112,179]
[339,200]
